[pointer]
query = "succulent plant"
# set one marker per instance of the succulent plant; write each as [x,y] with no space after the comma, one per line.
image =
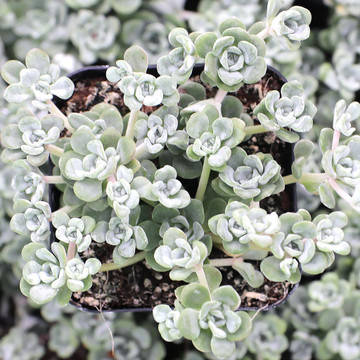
[329,293]
[181,60]
[94,35]
[267,337]
[47,275]
[249,177]
[123,175]
[177,254]
[236,57]
[18,344]
[38,80]
[290,110]
[31,138]
[292,25]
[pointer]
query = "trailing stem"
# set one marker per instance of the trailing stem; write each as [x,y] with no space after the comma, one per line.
[71,251]
[140,151]
[256,129]
[134,115]
[54,179]
[336,140]
[264,33]
[306,178]
[204,178]
[223,262]
[340,191]
[54,110]
[220,96]
[202,277]
[131,261]
[66,209]
[54,150]
[187,15]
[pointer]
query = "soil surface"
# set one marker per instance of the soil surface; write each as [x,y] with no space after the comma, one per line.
[139,287]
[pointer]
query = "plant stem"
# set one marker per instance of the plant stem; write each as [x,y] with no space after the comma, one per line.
[256,129]
[54,110]
[204,178]
[264,33]
[336,140]
[54,179]
[54,150]
[220,96]
[71,251]
[306,177]
[202,277]
[134,115]
[140,151]
[340,191]
[66,209]
[186,14]
[131,261]
[254,204]
[222,262]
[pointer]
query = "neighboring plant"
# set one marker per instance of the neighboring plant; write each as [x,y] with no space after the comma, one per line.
[112,168]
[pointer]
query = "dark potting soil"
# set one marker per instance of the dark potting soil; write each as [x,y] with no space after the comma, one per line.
[139,286]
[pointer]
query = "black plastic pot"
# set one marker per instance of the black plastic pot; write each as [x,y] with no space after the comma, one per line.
[290,191]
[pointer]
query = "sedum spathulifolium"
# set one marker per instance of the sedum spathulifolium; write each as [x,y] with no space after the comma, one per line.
[47,275]
[249,177]
[206,317]
[140,88]
[123,173]
[31,138]
[214,137]
[290,109]
[181,60]
[37,80]
[232,59]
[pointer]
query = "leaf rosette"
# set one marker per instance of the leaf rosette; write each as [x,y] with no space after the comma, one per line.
[343,164]
[138,87]
[31,219]
[344,116]
[328,293]
[37,80]
[214,136]
[344,339]
[168,320]
[212,323]
[330,233]
[290,110]
[29,186]
[168,190]
[249,177]
[241,225]
[28,138]
[94,35]
[120,194]
[47,275]
[233,59]
[125,237]
[74,230]
[160,130]
[292,25]
[178,254]
[181,60]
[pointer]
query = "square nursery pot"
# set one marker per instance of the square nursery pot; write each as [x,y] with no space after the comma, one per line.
[138,288]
